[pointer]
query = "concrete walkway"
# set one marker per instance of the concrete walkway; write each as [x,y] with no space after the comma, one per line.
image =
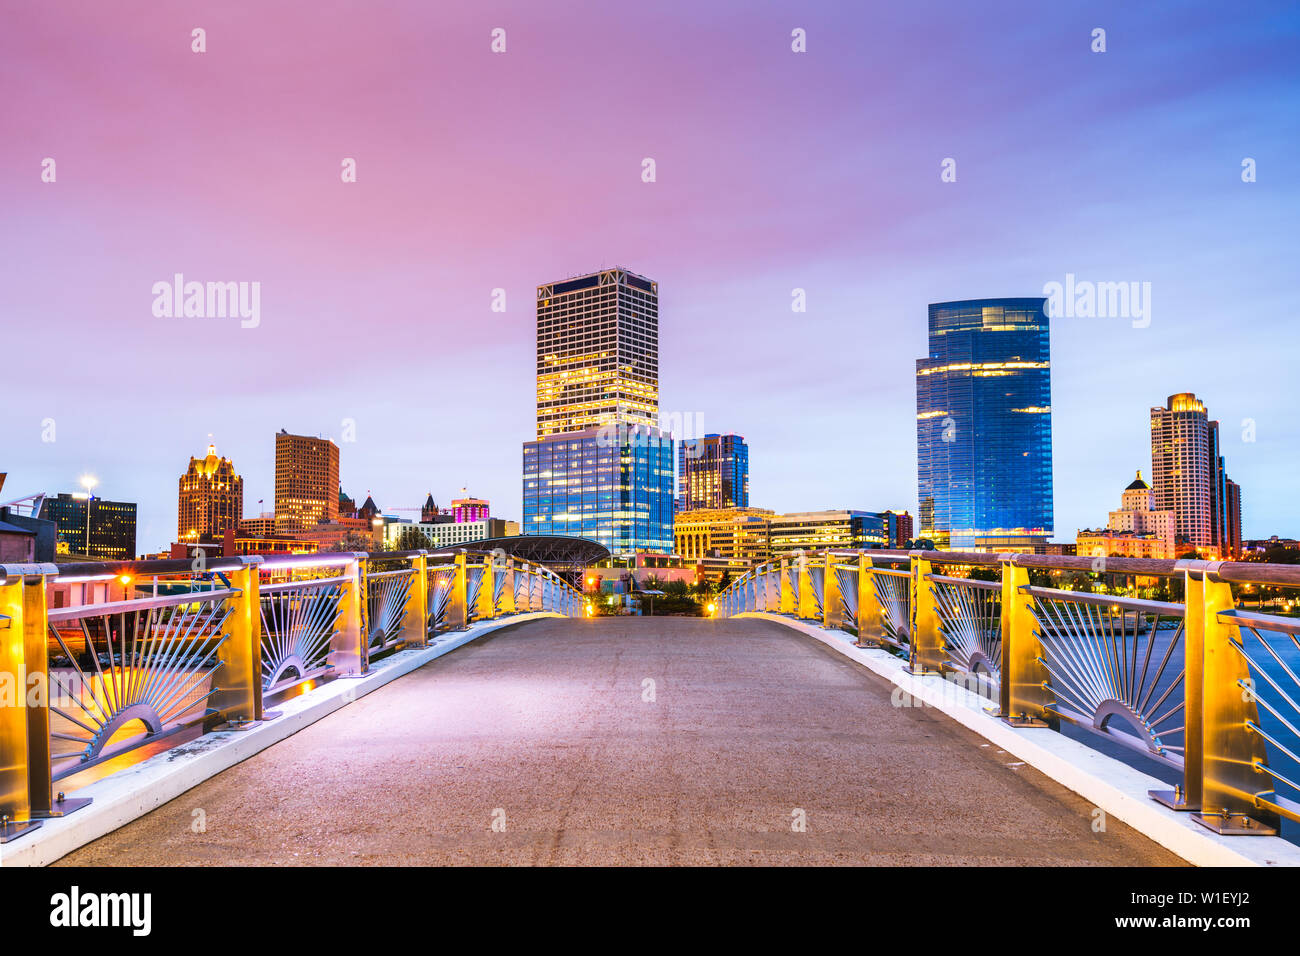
[547,727]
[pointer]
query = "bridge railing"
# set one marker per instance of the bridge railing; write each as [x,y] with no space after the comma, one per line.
[101,659]
[1206,688]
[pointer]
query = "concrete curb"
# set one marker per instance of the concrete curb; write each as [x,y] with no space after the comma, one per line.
[1114,787]
[131,793]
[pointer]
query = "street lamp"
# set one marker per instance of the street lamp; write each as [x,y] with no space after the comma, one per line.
[88,482]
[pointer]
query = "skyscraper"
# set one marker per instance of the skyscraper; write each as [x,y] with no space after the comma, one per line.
[1189,475]
[306,481]
[597,352]
[713,472]
[211,498]
[600,467]
[984,425]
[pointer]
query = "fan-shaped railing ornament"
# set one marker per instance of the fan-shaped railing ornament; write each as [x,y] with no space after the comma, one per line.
[1116,667]
[298,623]
[970,620]
[152,665]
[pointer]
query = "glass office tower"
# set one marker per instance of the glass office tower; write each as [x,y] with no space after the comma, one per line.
[713,472]
[984,425]
[613,485]
[600,467]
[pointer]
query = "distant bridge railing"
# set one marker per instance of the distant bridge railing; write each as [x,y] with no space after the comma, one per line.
[214,643]
[1202,686]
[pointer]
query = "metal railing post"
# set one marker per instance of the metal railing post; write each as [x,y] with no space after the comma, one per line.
[348,652]
[1232,752]
[925,649]
[1188,796]
[832,610]
[786,593]
[508,588]
[458,603]
[871,629]
[806,600]
[487,608]
[24,611]
[238,691]
[36,659]
[1023,696]
[415,625]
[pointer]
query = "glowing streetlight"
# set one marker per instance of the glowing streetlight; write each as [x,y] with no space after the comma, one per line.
[88,482]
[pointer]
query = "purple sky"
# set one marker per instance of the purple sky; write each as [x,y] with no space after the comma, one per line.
[776,170]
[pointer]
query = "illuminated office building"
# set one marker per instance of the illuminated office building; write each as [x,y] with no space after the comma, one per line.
[614,486]
[597,352]
[712,472]
[600,467]
[984,425]
[210,499]
[736,533]
[898,528]
[306,481]
[818,530]
[1189,476]
[110,525]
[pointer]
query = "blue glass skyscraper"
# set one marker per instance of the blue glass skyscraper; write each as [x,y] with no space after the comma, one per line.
[612,484]
[984,425]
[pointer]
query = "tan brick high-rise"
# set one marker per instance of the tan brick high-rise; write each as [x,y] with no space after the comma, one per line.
[306,481]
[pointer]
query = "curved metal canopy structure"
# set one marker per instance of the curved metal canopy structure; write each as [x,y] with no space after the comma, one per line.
[557,551]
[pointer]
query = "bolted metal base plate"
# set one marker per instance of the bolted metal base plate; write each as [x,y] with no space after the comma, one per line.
[234,725]
[12,831]
[1233,824]
[1173,800]
[62,808]
[1025,722]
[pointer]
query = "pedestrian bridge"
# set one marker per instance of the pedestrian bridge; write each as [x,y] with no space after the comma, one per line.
[629,740]
[508,726]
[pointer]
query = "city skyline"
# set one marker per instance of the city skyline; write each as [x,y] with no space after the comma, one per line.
[745,210]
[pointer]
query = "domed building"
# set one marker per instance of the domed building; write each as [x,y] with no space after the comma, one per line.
[1137,530]
[211,498]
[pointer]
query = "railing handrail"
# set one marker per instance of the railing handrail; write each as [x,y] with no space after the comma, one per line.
[1174,680]
[1234,572]
[79,611]
[246,637]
